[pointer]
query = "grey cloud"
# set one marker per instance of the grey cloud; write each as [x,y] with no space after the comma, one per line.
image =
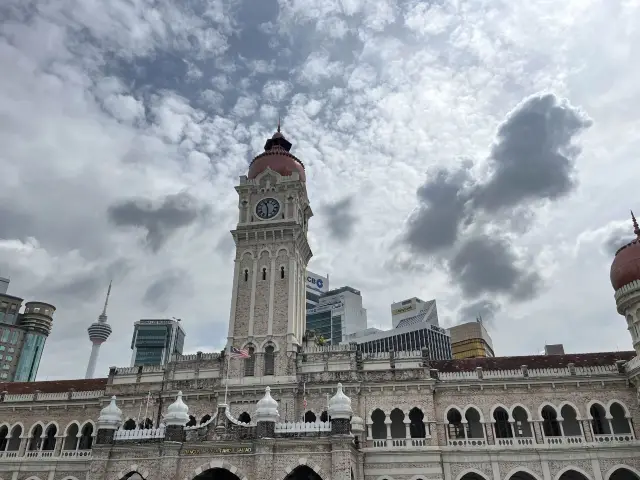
[483,308]
[434,225]
[532,159]
[160,220]
[616,237]
[486,264]
[340,218]
[163,290]
[533,156]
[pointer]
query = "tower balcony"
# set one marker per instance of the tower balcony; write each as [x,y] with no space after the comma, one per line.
[99,332]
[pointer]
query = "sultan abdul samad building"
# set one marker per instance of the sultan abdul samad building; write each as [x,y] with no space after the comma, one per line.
[293,411]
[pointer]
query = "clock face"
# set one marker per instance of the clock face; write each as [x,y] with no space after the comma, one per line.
[267,208]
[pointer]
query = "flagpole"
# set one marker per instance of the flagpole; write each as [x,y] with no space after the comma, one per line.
[139,412]
[226,383]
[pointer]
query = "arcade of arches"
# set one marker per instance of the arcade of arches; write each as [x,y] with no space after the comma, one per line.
[619,474]
[301,472]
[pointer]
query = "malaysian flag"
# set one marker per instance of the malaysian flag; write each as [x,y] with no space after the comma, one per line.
[238,353]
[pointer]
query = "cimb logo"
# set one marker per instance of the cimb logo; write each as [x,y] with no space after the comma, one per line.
[313,281]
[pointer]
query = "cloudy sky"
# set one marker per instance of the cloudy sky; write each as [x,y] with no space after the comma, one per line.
[483,153]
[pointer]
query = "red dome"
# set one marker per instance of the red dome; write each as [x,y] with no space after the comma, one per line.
[626,265]
[276,156]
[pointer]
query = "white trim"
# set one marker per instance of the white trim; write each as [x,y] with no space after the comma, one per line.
[495,407]
[620,465]
[452,407]
[472,470]
[577,469]
[515,470]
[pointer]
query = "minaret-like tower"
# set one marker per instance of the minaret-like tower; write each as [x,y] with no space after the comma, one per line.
[98,333]
[268,299]
[625,279]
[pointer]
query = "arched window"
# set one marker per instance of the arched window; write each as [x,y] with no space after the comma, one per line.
[281,272]
[455,428]
[502,425]
[244,417]
[378,427]
[205,419]
[71,438]
[570,424]
[417,427]
[264,273]
[192,421]
[246,275]
[475,429]
[4,434]
[146,424]
[86,438]
[324,416]
[269,360]
[599,422]
[309,417]
[522,424]
[14,441]
[623,474]
[49,441]
[398,430]
[250,363]
[550,425]
[619,421]
[35,439]
[129,424]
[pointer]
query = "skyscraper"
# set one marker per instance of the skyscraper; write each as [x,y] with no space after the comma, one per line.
[155,341]
[98,334]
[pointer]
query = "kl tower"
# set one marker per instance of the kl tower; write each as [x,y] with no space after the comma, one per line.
[98,333]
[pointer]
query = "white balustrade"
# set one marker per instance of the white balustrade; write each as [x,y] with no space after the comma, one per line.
[139,434]
[303,427]
[614,438]
[468,442]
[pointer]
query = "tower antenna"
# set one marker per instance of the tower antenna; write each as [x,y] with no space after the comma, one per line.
[278,123]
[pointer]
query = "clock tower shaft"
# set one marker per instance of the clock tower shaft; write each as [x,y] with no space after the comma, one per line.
[268,304]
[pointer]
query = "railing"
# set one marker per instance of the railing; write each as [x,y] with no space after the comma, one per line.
[401,443]
[47,454]
[327,348]
[531,373]
[467,442]
[31,397]
[566,440]
[139,434]
[614,438]
[303,427]
[517,441]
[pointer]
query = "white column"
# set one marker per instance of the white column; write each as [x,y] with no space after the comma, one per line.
[272,287]
[252,307]
[234,301]
[93,359]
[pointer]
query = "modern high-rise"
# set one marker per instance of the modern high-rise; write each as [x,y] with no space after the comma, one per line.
[22,335]
[316,286]
[155,341]
[338,313]
[471,340]
[98,334]
[418,328]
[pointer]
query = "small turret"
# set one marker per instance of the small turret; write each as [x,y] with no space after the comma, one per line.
[340,413]
[266,415]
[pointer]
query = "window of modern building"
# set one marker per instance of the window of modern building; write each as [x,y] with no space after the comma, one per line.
[5,366]
[11,350]
[5,335]
[14,337]
[4,375]
[9,358]
[1,356]
[2,347]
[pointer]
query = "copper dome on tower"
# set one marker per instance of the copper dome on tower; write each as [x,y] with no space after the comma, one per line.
[626,265]
[276,156]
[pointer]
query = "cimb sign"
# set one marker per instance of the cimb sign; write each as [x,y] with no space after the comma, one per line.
[315,282]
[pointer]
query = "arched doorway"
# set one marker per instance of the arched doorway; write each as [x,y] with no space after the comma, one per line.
[520,475]
[572,475]
[623,474]
[216,474]
[303,472]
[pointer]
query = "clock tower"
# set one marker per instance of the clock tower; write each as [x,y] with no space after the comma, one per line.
[268,305]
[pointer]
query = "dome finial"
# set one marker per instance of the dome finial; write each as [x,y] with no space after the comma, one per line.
[636,228]
[278,123]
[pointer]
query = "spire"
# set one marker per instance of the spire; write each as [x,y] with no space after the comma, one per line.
[278,123]
[636,228]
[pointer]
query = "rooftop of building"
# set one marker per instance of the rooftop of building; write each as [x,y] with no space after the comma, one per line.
[532,361]
[54,386]
[337,291]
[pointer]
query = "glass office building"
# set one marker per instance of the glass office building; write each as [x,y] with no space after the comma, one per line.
[155,341]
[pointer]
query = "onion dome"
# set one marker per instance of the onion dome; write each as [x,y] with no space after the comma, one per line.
[276,156]
[340,405]
[357,424]
[177,413]
[267,408]
[625,268]
[110,416]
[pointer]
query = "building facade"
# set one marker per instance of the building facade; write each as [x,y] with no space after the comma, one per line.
[297,411]
[154,341]
[338,314]
[316,286]
[471,340]
[22,335]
